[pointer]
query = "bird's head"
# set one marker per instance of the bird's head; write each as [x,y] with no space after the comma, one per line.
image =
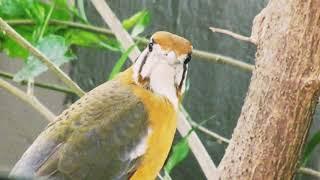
[162,66]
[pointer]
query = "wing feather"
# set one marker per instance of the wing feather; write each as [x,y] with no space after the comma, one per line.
[92,139]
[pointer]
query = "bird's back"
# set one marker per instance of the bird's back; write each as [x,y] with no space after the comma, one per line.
[117,131]
[92,139]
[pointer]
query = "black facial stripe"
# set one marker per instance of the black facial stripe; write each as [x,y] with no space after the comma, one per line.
[143,62]
[150,45]
[188,59]
[183,75]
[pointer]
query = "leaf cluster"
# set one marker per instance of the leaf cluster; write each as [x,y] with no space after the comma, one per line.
[55,40]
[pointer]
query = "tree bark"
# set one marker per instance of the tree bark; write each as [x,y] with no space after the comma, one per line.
[282,95]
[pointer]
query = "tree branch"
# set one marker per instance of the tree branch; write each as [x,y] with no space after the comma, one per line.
[24,43]
[232,34]
[210,133]
[216,58]
[38,84]
[184,127]
[309,171]
[196,146]
[31,100]
[210,57]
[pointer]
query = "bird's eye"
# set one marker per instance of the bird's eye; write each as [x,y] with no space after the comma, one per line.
[150,46]
[188,59]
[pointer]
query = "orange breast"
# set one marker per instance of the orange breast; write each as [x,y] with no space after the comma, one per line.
[163,122]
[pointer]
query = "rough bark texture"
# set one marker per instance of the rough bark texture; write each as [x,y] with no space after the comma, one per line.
[282,95]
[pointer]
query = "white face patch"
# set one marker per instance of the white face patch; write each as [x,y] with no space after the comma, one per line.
[164,71]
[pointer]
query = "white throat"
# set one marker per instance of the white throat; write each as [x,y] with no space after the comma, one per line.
[160,73]
[162,82]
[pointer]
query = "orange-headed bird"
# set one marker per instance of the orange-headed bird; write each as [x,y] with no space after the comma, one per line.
[122,129]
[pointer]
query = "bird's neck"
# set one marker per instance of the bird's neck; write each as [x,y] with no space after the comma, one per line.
[161,81]
[156,77]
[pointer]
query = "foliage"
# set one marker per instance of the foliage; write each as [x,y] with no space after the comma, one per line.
[88,39]
[55,41]
[179,152]
[310,147]
[138,22]
[117,67]
[54,47]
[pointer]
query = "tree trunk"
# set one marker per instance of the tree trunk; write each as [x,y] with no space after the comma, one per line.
[282,95]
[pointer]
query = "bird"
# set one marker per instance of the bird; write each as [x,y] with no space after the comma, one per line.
[122,129]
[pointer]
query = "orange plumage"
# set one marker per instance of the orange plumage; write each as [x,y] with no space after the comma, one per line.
[169,41]
[163,122]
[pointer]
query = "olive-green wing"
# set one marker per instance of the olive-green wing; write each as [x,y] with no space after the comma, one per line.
[96,138]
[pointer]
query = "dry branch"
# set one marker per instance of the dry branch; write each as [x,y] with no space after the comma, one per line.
[309,172]
[53,87]
[232,34]
[33,101]
[218,137]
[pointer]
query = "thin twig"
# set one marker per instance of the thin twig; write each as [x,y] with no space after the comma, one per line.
[232,34]
[210,133]
[184,127]
[202,55]
[24,43]
[210,57]
[196,146]
[309,171]
[38,84]
[33,101]
[30,86]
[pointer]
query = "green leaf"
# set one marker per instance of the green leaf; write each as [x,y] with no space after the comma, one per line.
[117,67]
[54,47]
[44,25]
[34,10]
[13,49]
[133,20]
[138,22]
[82,11]
[11,8]
[179,152]
[89,39]
[311,145]
[62,10]
[143,22]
